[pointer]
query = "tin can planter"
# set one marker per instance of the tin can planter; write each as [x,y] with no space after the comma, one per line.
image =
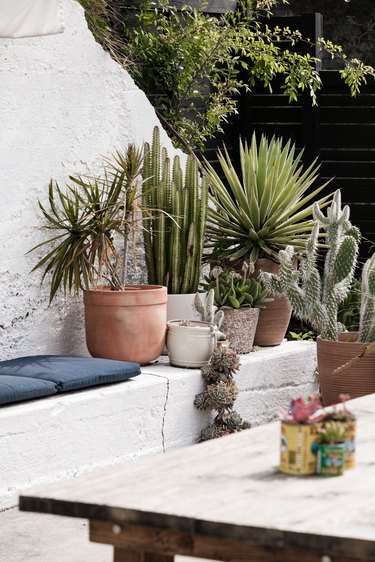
[330,459]
[296,448]
[350,443]
[190,345]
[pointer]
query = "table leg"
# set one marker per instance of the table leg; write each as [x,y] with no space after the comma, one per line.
[121,555]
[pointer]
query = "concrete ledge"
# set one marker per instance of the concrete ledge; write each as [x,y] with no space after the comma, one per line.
[62,436]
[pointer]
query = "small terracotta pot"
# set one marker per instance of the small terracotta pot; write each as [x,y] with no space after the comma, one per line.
[337,375]
[275,317]
[127,325]
[239,326]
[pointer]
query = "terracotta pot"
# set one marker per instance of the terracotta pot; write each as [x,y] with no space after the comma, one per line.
[126,325]
[337,375]
[275,317]
[239,326]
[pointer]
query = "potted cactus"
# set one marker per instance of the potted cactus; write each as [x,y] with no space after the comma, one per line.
[330,449]
[346,360]
[175,227]
[190,343]
[208,312]
[240,298]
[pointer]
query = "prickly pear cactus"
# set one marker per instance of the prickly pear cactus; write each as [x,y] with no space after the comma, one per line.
[316,298]
[175,212]
[367,313]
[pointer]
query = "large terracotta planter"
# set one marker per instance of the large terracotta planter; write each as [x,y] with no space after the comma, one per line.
[275,317]
[126,325]
[338,374]
[239,326]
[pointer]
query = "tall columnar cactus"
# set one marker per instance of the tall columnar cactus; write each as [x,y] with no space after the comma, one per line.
[175,211]
[367,313]
[316,298]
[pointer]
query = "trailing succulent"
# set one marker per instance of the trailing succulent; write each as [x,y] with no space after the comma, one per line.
[316,298]
[175,218]
[232,290]
[220,394]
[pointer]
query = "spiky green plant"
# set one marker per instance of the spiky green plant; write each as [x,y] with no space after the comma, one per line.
[316,298]
[267,207]
[331,433]
[175,229]
[85,219]
[220,394]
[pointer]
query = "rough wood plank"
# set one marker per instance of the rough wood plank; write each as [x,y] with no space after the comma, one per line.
[230,488]
[121,555]
[166,543]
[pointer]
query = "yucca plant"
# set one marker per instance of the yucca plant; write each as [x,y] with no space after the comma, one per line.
[266,207]
[91,220]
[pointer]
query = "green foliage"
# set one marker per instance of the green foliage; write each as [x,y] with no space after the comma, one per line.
[331,433]
[232,290]
[316,298]
[193,65]
[303,336]
[85,219]
[175,219]
[220,394]
[264,209]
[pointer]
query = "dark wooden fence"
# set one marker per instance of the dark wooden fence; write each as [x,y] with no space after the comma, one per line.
[339,131]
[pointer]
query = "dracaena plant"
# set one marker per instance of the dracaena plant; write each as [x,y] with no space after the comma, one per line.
[265,206]
[91,222]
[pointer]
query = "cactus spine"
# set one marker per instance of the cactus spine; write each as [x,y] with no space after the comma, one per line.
[313,297]
[175,212]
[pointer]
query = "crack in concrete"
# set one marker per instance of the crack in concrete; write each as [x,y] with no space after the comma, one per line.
[165,408]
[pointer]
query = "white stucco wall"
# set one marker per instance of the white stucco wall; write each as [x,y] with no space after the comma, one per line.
[64,103]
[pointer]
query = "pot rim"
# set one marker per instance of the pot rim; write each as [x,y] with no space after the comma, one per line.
[127,288]
[344,341]
[196,323]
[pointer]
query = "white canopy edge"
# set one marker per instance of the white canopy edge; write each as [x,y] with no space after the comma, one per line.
[31,18]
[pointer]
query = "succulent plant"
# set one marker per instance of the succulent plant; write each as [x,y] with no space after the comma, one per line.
[220,394]
[175,219]
[208,313]
[340,412]
[266,209]
[331,433]
[367,311]
[301,412]
[233,290]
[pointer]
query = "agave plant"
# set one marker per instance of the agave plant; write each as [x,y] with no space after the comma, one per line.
[267,207]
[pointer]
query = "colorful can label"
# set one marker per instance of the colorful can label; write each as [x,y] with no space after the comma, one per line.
[330,459]
[296,455]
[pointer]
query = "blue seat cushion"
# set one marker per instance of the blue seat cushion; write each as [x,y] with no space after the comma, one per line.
[69,373]
[14,389]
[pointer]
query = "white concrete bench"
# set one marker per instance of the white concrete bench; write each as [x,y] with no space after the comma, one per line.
[54,438]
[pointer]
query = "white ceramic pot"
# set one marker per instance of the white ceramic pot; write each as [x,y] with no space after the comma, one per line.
[190,346]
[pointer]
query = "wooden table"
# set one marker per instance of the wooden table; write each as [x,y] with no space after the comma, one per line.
[226,500]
